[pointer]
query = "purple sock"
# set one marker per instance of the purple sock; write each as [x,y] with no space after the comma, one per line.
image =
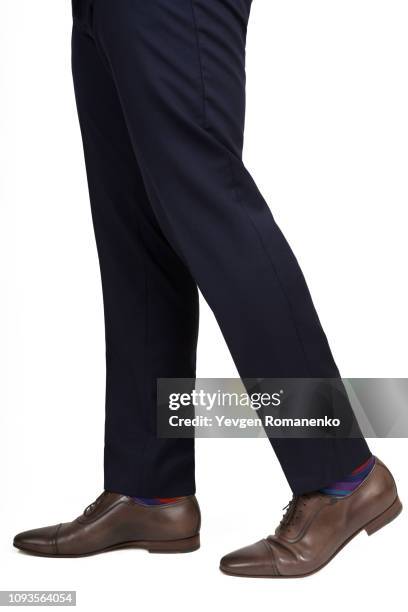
[349,483]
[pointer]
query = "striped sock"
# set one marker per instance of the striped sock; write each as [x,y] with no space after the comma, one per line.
[155,501]
[350,482]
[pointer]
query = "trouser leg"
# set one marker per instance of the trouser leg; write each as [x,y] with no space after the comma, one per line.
[150,298]
[178,66]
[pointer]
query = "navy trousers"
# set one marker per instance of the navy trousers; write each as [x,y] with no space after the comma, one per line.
[160,89]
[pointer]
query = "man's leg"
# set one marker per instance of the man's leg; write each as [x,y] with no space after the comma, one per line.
[151,316]
[179,71]
[150,298]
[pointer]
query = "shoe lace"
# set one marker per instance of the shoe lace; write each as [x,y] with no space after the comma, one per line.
[293,510]
[94,504]
[288,510]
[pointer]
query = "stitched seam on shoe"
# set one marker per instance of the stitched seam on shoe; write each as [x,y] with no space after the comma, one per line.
[272,556]
[56,538]
[200,64]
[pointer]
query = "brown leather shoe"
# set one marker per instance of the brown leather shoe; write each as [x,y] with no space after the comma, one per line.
[315,527]
[117,521]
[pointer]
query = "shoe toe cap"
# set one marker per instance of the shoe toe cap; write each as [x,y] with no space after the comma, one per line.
[253,560]
[38,541]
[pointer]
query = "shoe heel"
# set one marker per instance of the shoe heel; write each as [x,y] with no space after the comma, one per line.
[386,517]
[175,546]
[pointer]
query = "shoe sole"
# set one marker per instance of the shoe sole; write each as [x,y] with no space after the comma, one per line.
[371,527]
[161,547]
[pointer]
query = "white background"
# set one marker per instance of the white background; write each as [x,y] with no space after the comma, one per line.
[326,140]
